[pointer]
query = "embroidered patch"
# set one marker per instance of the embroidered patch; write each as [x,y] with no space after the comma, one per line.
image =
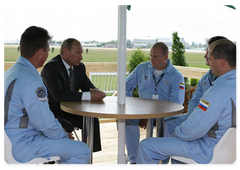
[145,77]
[181,86]
[203,104]
[41,94]
[166,82]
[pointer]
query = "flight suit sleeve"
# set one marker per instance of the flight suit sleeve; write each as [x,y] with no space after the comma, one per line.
[202,119]
[193,103]
[177,91]
[41,118]
[131,82]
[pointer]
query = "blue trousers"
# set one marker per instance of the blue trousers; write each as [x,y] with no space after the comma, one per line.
[132,138]
[153,150]
[70,151]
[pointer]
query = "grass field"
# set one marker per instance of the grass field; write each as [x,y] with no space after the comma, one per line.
[194,59]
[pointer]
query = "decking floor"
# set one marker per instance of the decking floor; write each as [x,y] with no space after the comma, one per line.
[109,139]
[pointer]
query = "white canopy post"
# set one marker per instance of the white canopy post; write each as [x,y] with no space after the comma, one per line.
[121,88]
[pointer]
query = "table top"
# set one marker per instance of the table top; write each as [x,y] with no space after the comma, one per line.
[135,108]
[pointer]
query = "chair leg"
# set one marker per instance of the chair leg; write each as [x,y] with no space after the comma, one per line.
[76,135]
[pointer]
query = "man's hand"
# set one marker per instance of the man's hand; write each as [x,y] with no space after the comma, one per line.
[97,94]
[143,123]
[70,136]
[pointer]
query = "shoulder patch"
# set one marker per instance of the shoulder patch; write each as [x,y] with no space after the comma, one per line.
[203,104]
[181,86]
[41,94]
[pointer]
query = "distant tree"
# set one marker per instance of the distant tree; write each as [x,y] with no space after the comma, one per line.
[178,57]
[178,51]
[137,58]
[103,44]
[129,43]
[113,42]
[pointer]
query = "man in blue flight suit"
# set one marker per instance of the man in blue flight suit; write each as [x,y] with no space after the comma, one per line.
[203,85]
[30,125]
[157,79]
[197,136]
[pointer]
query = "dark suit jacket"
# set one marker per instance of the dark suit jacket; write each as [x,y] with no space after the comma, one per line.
[55,78]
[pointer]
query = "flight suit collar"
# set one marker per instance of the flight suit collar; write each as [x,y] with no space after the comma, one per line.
[229,75]
[26,62]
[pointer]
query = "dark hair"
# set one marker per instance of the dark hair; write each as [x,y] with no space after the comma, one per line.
[162,46]
[33,39]
[211,40]
[67,44]
[226,50]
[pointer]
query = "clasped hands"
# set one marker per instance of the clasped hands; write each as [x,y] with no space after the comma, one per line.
[96,94]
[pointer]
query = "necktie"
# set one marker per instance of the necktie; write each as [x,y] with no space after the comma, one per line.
[71,79]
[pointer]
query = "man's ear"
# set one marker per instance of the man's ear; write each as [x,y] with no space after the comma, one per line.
[40,52]
[65,51]
[222,62]
[166,56]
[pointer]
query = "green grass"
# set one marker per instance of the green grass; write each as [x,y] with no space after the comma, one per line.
[194,59]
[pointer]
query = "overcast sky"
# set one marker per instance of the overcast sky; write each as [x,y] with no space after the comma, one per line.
[91,21]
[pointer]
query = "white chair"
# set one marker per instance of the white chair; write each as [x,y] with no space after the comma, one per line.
[10,159]
[223,153]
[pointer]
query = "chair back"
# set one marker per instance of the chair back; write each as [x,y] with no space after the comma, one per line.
[225,150]
[223,153]
[8,150]
[8,156]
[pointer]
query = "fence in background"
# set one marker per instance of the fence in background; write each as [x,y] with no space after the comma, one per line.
[104,75]
[106,81]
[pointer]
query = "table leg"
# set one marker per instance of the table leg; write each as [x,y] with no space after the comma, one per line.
[159,127]
[162,127]
[84,130]
[158,123]
[121,142]
[149,128]
[90,129]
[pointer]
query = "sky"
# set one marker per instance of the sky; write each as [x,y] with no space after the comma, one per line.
[99,21]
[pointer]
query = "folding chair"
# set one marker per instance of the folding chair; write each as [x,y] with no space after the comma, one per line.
[10,159]
[224,152]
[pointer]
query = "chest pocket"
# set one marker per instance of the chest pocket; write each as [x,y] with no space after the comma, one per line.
[146,83]
[205,86]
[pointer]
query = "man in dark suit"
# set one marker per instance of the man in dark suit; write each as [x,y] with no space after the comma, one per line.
[64,76]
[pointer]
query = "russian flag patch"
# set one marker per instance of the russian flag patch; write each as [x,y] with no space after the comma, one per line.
[203,104]
[181,86]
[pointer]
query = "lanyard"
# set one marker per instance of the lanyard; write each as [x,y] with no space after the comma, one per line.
[157,82]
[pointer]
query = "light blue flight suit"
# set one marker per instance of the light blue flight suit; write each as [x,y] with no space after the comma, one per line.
[196,137]
[203,85]
[169,86]
[29,123]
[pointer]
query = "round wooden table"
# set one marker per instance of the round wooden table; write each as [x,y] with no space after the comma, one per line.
[135,108]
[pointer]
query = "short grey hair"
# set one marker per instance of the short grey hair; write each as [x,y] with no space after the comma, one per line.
[162,46]
[68,44]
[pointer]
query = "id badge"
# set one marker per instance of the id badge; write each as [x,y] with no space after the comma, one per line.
[155,96]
